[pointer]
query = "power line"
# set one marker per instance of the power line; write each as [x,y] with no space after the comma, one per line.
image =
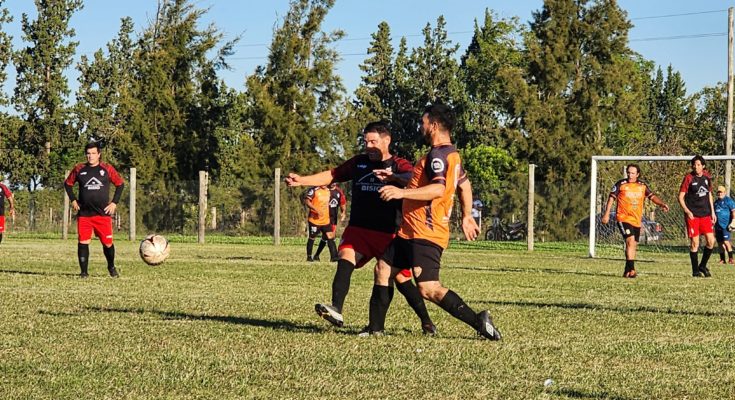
[678,37]
[678,15]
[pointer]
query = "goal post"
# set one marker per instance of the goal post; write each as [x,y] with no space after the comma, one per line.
[664,174]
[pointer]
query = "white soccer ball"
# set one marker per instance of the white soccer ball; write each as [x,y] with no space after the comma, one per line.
[154,249]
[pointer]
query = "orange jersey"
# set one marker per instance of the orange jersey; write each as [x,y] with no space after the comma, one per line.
[318,198]
[429,220]
[630,197]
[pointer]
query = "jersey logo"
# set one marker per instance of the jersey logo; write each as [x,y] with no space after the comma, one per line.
[93,184]
[437,165]
[333,203]
[362,166]
[702,191]
[102,172]
[83,173]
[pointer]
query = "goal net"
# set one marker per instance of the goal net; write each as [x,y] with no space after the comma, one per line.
[660,231]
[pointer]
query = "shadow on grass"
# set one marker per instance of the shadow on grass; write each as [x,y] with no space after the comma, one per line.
[583,394]
[597,307]
[262,323]
[538,271]
[12,271]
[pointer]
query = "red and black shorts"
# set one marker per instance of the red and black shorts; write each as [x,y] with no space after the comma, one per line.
[421,256]
[315,230]
[100,225]
[368,243]
[699,226]
[2,223]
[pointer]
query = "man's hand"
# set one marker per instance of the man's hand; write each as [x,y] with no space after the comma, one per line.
[342,217]
[470,228]
[388,193]
[293,179]
[110,209]
[383,175]
[665,207]
[731,227]
[12,211]
[714,218]
[605,219]
[75,205]
[689,214]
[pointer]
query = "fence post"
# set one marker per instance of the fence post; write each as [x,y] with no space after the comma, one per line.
[131,206]
[277,209]
[213,226]
[202,204]
[531,205]
[65,214]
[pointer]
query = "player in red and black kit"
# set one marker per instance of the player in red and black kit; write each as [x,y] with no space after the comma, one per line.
[94,209]
[337,208]
[373,222]
[695,198]
[5,194]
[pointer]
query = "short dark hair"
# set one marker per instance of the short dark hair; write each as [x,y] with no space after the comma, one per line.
[382,127]
[698,157]
[443,114]
[92,145]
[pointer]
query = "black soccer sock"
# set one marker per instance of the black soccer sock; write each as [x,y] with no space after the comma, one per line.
[706,253]
[722,255]
[341,283]
[1,237]
[454,305]
[629,265]
[309,247]
[379,303]
[109,255]
[694,261]
[332,249]
[83,256]
[414,299]
[729,255]
[319,248]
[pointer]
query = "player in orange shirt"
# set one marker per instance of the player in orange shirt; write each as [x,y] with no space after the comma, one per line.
[424,231]
[630,195]
[317,200]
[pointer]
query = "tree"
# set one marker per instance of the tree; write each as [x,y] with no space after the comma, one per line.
[6,54]
[41,91]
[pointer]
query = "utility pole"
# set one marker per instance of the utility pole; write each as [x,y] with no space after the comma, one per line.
[728,134]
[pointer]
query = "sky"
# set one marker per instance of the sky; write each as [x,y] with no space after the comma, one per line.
[695,43]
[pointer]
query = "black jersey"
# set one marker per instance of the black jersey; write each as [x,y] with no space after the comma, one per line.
[697,190]
[94,187]
[367,209]
[4,193]
[336,199]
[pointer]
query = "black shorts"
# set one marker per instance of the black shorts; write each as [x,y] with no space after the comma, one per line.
[413,254]
[314,230]
[628,230]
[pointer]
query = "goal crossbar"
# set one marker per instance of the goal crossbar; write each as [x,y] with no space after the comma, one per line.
[593,182]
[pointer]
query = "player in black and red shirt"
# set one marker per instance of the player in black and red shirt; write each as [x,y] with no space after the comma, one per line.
[337,208]
[695,198]
[373,222]
[93,206]
[5,194]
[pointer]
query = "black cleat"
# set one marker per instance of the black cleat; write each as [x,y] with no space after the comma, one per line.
[83,275]
[329,313]
[698,275]
[113,272]
[309,259]
[705,272]
[487,329]
[429,329]
[334,259]
[316,258]
[367,332]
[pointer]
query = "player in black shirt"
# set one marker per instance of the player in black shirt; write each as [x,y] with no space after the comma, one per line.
[5,194]
[695,198]
[93,206]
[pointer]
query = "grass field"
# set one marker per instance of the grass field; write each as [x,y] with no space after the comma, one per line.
[236,320]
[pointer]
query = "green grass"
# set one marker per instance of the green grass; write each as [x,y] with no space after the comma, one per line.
[235,320]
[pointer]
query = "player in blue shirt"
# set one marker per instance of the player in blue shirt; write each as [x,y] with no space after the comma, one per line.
[725,210]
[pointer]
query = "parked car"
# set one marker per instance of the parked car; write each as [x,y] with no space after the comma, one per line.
[651,231]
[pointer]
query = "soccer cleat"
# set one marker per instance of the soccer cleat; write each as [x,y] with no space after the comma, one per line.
[732,261]
[721,261]
[309,259]
[113,272]
[316,258]
[429,329]
[329,313]
[335,259]
[84,275]
[697,274]
[487,329]
[705,271]
[632,273]
[366,332]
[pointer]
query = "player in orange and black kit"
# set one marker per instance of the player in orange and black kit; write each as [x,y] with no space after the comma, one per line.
[337,207]
[93,205]
[373,222]
[424,231]
[5,194]
[630,194]
[317,200]
[695,198]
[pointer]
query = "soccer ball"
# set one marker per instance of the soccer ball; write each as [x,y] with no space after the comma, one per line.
[154,249]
